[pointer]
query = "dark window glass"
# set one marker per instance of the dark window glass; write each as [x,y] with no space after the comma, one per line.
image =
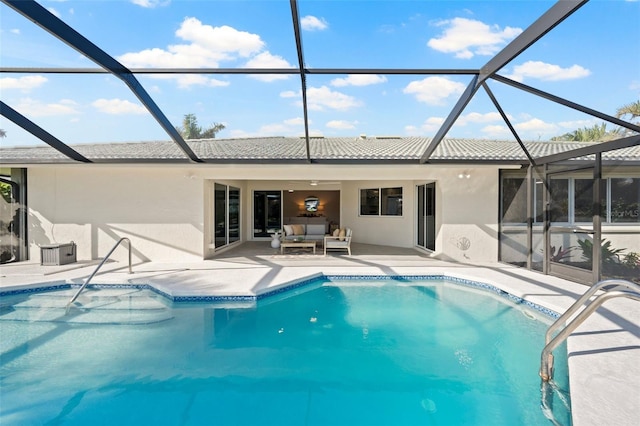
[267,213]
[220,215]
[583,200]
[234,214]
[625,200]
[391,201]
[559,208]
[369,202]
[514,200]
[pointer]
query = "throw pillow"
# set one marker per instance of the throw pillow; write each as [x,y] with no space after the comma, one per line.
[288,230]
[342,234]
[336,232]
[298,229]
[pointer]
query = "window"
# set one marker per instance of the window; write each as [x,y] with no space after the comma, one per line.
[625,200]
[381,202]
[572,200]
[514,200]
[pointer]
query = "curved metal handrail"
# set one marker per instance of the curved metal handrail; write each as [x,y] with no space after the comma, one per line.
[546,358]
[73,299]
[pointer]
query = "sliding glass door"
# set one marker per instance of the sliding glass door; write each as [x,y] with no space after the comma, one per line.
[267,212]
[226,215]
[426,215]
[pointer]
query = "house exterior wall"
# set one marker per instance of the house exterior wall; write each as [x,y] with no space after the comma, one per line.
[167,210]
[159,209]
[466,214]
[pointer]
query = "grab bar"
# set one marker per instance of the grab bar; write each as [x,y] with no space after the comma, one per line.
[546,358]
[73,299]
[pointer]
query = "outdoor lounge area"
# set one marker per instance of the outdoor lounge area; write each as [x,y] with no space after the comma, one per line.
[236,149]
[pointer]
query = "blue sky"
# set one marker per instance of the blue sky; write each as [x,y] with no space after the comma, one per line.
[592,58]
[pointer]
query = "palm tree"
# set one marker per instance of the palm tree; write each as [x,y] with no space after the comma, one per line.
[3,134]
[597,133]
[632,110]
[191,130]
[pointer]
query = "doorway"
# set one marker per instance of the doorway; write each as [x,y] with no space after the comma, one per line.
[426,216]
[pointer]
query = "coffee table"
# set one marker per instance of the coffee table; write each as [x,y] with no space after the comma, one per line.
[298,244]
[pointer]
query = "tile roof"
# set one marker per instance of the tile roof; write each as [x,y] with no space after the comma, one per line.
[294,149]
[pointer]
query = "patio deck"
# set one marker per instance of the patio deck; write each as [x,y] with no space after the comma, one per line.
[603,352]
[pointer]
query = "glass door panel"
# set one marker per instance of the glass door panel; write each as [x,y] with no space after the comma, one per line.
[572,230]
[220,209]
[234,214]
[267,212]
[426,216]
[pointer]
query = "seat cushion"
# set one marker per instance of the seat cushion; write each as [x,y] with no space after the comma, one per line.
[315,229]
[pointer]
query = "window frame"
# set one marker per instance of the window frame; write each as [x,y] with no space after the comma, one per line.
[384,194]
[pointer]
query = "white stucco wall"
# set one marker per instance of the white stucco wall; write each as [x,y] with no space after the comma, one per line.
[167,210]
[466,213]
[159,209]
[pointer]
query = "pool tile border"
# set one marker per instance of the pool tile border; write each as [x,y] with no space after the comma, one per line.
[295,285]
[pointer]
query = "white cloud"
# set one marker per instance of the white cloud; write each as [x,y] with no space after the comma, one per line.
[320,97]
[434,90]
[239,134]
[207,47]
[151,3]
[576,124]
[548,72]
[411,130]
[267,60]
[358,80]
[432,124]
[289,94]
[273,129]
[118,106]
[292,126]
[476,117]
[341,124]
[34,108]
[15,31]
[495,131]
[22,83]
[188,80]
[535,126]
[467,38]
[311,23]
[298,121]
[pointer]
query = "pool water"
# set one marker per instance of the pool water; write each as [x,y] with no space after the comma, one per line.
[330,353]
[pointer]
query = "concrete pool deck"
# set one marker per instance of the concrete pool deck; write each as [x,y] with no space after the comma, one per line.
[604,352]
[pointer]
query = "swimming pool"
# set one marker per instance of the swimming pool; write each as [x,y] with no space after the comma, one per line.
[332,352]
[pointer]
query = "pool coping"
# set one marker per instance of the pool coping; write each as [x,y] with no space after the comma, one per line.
[284,288]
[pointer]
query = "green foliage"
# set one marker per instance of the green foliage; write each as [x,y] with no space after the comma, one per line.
[632,110]
[5,191]
[608,254]
[190,129]
[597,133]
[631,259]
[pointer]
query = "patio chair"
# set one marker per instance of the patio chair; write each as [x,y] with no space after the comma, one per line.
[342,241]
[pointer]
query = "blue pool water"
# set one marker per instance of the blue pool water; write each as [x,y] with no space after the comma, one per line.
[329,353]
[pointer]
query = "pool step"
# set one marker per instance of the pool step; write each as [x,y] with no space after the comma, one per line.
[118,306]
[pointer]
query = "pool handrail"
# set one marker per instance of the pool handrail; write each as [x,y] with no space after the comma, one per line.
[546,358]
[73,299]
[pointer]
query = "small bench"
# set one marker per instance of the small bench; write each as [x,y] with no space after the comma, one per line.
[300,244]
